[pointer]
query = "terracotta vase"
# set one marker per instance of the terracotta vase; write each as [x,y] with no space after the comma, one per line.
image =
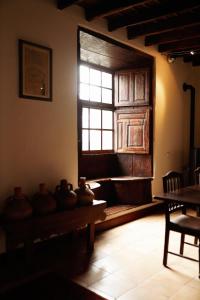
[17,206]
[65,196]
[85,195]
[43,201]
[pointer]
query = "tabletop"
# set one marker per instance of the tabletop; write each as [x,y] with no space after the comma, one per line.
[186,195]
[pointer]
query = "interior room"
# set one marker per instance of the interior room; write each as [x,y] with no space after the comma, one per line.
[101,97]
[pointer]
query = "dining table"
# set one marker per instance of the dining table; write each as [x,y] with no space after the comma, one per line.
[189,195]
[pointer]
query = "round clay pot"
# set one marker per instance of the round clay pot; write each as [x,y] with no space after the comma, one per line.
[17,206]
[43,201]
[84,194]
[65,196]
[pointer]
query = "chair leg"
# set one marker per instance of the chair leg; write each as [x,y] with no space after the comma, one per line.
[198,215]
[199,260]
[182,243]
[166,247]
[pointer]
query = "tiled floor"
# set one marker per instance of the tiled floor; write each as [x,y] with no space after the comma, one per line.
[127,264]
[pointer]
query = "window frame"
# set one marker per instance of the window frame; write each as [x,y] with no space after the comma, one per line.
[95,105]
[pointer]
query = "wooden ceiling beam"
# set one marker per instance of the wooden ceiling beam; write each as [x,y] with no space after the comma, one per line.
[61,4]
[187,44]
[151,13]
[107,8]
[174,22]
[173,35]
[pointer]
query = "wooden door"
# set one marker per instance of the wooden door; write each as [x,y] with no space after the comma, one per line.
[132,134]
[132,87]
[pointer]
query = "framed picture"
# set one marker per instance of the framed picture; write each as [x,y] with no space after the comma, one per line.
[35,71]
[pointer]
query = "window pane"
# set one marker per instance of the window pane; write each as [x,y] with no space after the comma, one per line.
[95,93]
[107,140]
[84,91]
[84,74]
[85,140]
[107,80]
[95,77]
[107,96]
[107,119]
[85,118]
[95,118]
[95,140]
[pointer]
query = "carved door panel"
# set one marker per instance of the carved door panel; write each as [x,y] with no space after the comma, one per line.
[132,134]
[141,87]
[123,88]
[132,87]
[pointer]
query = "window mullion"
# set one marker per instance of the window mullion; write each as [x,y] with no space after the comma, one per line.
[89,129]
[101,87]
[101,129]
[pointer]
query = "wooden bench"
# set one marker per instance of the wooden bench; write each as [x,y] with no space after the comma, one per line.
[123,190]
[127,197]
[40,227]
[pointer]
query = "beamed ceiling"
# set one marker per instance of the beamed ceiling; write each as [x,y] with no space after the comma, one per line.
[173,26]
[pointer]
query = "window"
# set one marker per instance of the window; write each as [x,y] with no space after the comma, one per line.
[96,101]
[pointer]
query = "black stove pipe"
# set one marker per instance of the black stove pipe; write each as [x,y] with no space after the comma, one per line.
[192,125]
[192,111]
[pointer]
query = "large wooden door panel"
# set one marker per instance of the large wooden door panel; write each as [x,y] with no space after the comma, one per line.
[132,134]
[132,87]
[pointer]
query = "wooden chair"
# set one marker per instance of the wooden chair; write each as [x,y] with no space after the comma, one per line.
[197,175]
[197,181]
[172,181]
[182,223]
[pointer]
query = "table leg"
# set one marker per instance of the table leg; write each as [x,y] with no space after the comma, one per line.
[28,247]
[90,237]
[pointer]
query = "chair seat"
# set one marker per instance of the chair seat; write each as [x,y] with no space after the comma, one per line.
[187,223]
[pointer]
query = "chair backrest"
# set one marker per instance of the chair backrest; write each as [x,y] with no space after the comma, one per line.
[197,175]
[172,181]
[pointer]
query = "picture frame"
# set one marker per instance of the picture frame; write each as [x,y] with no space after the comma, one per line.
[35,71]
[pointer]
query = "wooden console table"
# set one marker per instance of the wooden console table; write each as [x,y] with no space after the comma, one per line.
[26,231]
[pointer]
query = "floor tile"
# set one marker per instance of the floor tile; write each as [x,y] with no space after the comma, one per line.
[194,283]
[185,293]
[142,294]
[92,275]
[113,285]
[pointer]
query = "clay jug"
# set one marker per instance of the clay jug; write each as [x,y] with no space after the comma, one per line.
[85,195]
[17,206]
[65,196]
[43,201]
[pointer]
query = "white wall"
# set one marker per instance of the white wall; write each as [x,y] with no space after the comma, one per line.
[39,139]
